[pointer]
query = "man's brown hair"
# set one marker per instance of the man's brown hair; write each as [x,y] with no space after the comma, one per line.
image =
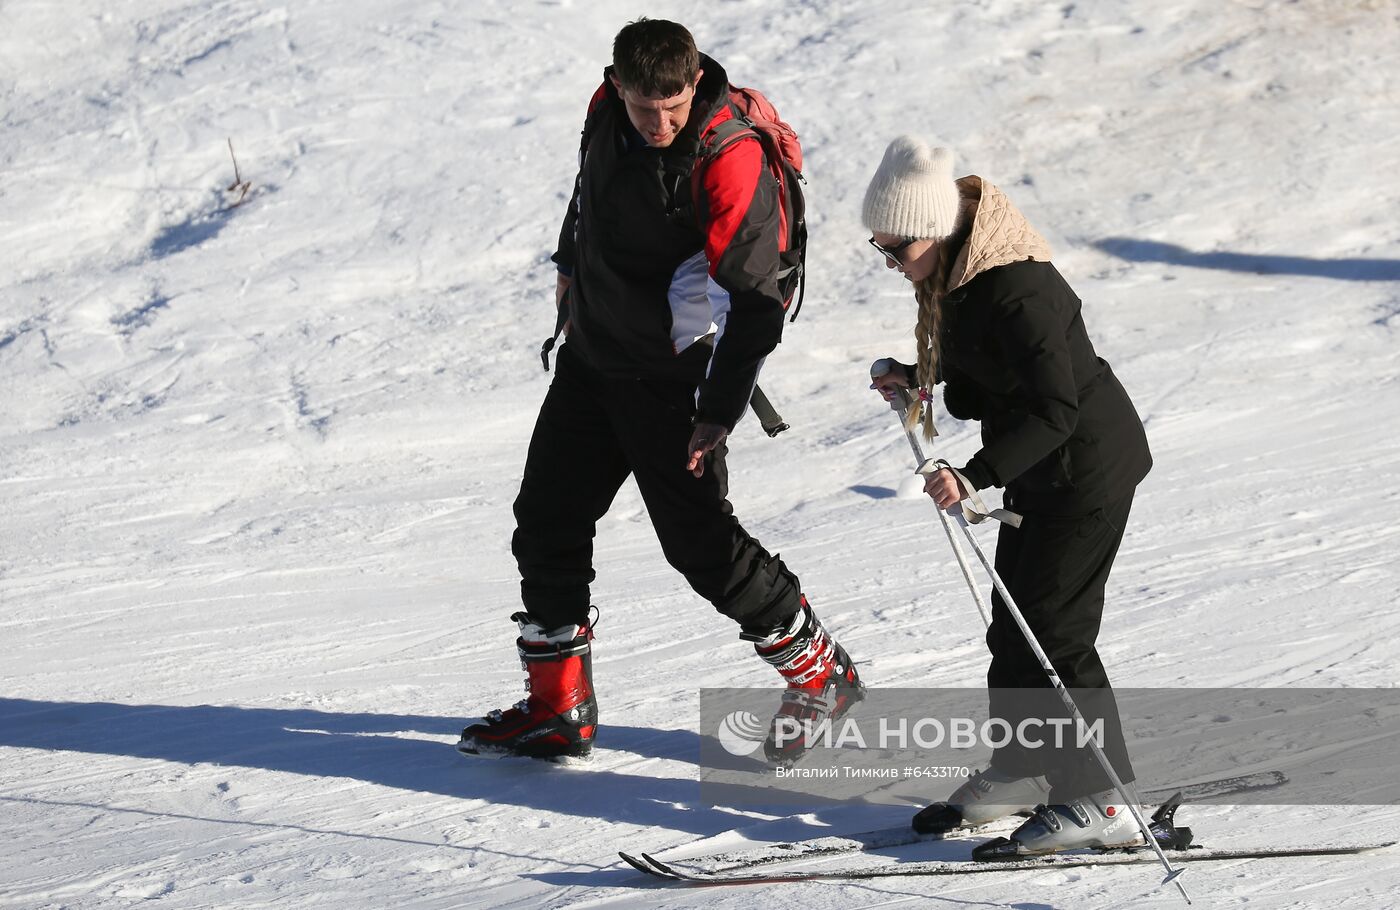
[655,58]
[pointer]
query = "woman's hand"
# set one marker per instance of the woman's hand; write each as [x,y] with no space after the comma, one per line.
[943,487]
[887,377]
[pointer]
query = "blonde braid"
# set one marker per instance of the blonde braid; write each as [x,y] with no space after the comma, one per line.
[929,293]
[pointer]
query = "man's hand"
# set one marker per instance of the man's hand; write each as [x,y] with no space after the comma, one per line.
[890,378]
[944,488]
[703,441]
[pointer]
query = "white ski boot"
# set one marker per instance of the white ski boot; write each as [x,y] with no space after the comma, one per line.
[982,798]
[1099,820]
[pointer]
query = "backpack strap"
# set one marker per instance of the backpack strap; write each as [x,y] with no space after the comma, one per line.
[720,137]
[768,416]
[560,319]
[801,292]
[590,121]
[728,132]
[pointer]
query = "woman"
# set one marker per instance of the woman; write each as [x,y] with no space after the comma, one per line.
[1002,331]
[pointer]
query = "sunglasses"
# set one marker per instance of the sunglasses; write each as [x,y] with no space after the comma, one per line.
[892,252]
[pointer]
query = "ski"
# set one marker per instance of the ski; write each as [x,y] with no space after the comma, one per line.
[836,845]
[813,848]
[653,866]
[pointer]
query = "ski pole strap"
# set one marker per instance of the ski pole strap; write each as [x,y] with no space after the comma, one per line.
[767,415]
[973,508]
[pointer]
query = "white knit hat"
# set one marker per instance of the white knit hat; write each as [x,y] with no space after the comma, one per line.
[913,193]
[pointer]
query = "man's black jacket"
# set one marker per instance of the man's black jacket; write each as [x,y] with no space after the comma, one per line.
[648,280]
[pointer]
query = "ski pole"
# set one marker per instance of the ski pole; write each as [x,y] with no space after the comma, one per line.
[902,410]
[901,406]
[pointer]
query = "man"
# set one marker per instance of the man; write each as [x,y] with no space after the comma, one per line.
[669,305]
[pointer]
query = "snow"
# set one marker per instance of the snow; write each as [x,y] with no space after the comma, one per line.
[256,462]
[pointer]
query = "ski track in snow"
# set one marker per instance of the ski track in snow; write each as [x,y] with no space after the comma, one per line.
[257,461]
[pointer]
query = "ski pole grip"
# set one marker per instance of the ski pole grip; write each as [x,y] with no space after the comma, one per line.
[881,367]
[903,401]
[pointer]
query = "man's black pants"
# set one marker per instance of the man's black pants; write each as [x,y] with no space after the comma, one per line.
[592,432]
[1056,569]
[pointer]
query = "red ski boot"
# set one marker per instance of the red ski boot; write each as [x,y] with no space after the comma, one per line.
[822,683]
[560,715]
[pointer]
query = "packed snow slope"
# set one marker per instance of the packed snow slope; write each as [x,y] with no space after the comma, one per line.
[257,461]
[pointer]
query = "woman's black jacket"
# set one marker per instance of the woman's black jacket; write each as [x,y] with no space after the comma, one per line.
[1058,430]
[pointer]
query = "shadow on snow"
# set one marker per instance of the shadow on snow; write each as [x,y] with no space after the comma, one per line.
[1252,263]
[378,749]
